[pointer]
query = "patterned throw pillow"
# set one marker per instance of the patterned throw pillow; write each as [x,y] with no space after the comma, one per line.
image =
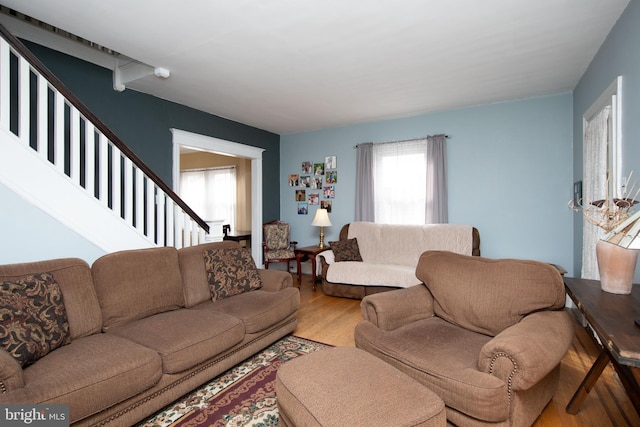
[230,271]
[346,250]
[33,320]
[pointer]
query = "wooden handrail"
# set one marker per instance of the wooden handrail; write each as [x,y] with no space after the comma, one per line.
[99,124]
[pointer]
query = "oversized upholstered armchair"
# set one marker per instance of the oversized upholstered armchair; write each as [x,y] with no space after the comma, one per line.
[277,245]
[485,335]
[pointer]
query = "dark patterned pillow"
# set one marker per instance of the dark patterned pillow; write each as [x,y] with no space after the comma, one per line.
[230,271]
[33,320]
[346,250]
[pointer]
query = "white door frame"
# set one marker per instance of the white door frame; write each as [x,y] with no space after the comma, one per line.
[228,148]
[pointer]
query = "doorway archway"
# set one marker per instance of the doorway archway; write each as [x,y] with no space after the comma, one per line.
[228,148]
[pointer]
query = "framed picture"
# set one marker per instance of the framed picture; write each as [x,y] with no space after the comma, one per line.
[314,198]
[330,162]
[301,196]
[326,204]
[318,169]
[293,180]
[329,192]
[305,181]
[303,208]
[331,177]
[306,167]
[316,183]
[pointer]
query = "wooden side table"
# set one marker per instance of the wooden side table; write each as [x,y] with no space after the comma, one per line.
[308,253]
[612,318]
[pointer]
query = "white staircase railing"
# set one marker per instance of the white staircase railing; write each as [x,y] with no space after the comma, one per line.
[63,137]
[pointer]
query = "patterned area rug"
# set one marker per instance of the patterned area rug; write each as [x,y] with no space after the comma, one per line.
[241,397]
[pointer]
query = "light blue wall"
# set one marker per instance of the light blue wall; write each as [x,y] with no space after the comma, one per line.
[509,166]
[29,234]
[618,56]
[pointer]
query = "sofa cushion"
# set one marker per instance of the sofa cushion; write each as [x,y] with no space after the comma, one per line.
[465,289]
[33,320]
[74,277]
[346,250]
[194,276]
[444,358]
[230,271]
[370,274]
[184,338]
[90,374]
[134,284]
[258,310]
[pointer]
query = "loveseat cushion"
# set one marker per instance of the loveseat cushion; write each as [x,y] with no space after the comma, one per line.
[371,274]
[443,357]
[90,374]
[258,310]
[184,338]
[465,289]
[346,250]
[33,320]
[134,284]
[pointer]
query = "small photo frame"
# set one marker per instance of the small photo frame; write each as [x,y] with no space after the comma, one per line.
[330,162]
[303,208]
[305,181]
[326,204]
[301,196]
[314,198]
[293,180]
[329,192]
[316,183]
[331,177]
[318,169]
[306,167]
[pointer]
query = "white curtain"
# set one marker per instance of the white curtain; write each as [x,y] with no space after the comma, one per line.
[211,193]
[400,177]
[596,136]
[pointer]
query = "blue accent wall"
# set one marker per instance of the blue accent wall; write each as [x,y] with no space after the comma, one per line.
[618,56]
[509,167]
[143,121]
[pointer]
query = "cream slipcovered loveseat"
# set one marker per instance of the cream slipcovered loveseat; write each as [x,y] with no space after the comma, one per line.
[138,329]
[371,258]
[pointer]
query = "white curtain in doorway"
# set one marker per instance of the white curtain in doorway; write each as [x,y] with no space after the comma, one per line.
[596,137]
[211,193]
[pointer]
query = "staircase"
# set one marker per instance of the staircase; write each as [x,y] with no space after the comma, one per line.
[58,156]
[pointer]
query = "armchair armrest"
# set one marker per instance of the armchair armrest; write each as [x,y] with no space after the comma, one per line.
[275,280]
[526,352]
[11,376]
[390,310]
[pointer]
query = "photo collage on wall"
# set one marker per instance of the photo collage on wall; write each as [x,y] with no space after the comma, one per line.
[315,185]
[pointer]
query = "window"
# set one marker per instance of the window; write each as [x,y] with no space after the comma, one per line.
[400,177]
[211,193]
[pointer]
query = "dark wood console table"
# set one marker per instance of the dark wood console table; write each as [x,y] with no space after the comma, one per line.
[612,318]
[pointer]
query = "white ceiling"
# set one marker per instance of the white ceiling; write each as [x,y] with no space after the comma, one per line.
[290,66]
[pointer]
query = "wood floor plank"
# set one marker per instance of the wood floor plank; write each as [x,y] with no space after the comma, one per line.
[332,320]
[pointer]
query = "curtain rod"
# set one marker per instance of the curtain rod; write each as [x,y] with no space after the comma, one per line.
[404,140]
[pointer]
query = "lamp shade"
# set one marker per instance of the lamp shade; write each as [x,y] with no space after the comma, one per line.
[626,234]
[321,219]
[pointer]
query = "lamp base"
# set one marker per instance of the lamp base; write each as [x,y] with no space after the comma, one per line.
[321,244]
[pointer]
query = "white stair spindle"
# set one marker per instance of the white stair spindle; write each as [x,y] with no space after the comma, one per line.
[24,99]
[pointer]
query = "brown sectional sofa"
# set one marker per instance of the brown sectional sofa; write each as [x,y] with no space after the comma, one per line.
[143,332]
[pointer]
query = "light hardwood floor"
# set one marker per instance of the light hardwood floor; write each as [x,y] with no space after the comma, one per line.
[332,320]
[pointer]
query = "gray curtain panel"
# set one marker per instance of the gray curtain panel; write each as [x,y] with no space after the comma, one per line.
[365,208]
[437,212]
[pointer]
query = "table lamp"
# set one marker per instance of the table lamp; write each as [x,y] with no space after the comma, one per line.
[321,220]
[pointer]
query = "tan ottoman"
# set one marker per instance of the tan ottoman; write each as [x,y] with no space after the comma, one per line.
[346,386]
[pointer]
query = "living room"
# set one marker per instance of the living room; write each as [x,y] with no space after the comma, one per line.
[512,163]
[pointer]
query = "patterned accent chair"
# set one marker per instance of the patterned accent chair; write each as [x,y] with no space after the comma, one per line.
[277,245]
